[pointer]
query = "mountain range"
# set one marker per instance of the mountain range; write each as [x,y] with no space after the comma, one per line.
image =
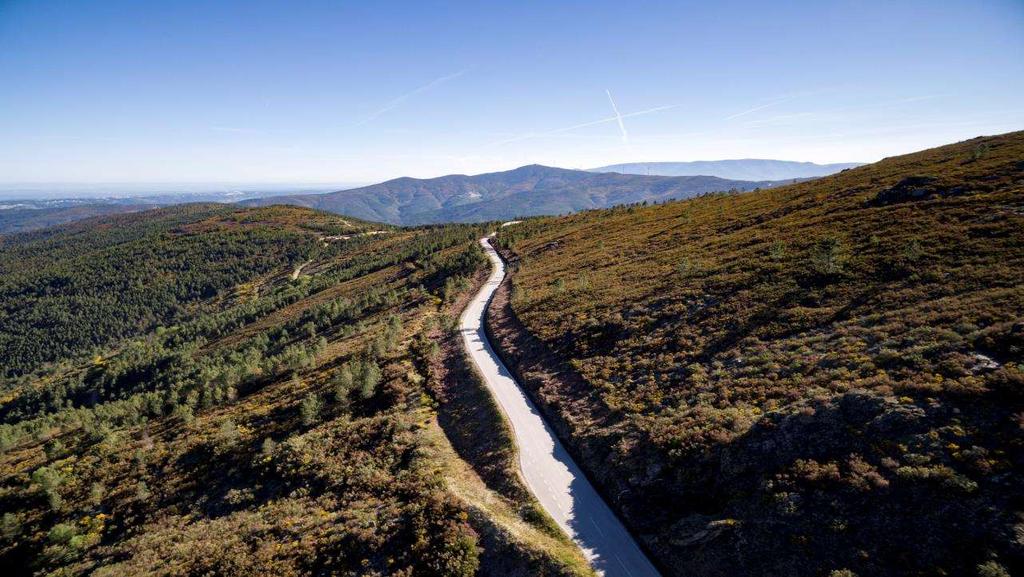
[738,169]
[526,191]
[531,190]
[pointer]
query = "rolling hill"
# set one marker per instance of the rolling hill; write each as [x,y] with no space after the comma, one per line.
[740,169]
[822,378]
[208,390]
[525,191]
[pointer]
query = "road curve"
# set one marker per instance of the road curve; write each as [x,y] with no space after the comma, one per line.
[550,473]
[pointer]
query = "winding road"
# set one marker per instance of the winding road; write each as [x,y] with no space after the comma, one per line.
[550,473]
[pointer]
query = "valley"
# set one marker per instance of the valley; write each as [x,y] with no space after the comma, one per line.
[820,378]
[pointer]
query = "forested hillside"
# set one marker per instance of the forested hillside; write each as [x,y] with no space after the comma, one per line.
[822,378]
[66,290]
[206,390]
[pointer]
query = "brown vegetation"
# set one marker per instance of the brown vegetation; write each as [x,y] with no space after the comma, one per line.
[819,377]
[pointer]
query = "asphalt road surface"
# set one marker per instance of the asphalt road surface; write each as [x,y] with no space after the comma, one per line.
[550,473]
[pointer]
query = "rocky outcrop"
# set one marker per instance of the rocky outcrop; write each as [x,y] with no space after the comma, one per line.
[915,188]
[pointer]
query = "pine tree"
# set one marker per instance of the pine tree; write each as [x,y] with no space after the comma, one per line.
[370,379]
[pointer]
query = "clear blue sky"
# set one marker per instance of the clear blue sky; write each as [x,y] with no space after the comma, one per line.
[253,91]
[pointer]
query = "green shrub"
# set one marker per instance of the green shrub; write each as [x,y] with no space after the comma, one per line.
[992,569]
[49,481]
[10,526]
[96,494]
[268,447]
[142,492]
[227,435]
[61,534]
[369,379]
[310,410]
[828,257]
[343,378]
[777,250]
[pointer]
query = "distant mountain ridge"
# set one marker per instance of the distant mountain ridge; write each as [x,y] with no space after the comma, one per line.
[525,191]
[35,206]
[23,217]
[738,169]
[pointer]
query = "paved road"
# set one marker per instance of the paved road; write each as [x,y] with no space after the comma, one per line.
[549,471]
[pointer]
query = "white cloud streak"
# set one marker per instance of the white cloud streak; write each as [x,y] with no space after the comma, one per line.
[837,113]
[615,109]
[779,100]
[396,102]
[617,118]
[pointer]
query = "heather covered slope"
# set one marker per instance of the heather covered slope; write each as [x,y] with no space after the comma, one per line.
[236,418]
[813,378]
[528,190]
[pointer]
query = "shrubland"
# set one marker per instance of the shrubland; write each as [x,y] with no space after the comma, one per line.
[822,377]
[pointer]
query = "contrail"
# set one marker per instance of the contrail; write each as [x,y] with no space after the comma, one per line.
[615,109]
[582,125]
[781,99]
[397,101]
[762,107]
[611,119]
[823,113]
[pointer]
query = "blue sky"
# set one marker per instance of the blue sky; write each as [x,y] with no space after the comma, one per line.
[305,92]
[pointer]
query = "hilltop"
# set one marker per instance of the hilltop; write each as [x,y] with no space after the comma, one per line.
[525,191]
[822,377]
